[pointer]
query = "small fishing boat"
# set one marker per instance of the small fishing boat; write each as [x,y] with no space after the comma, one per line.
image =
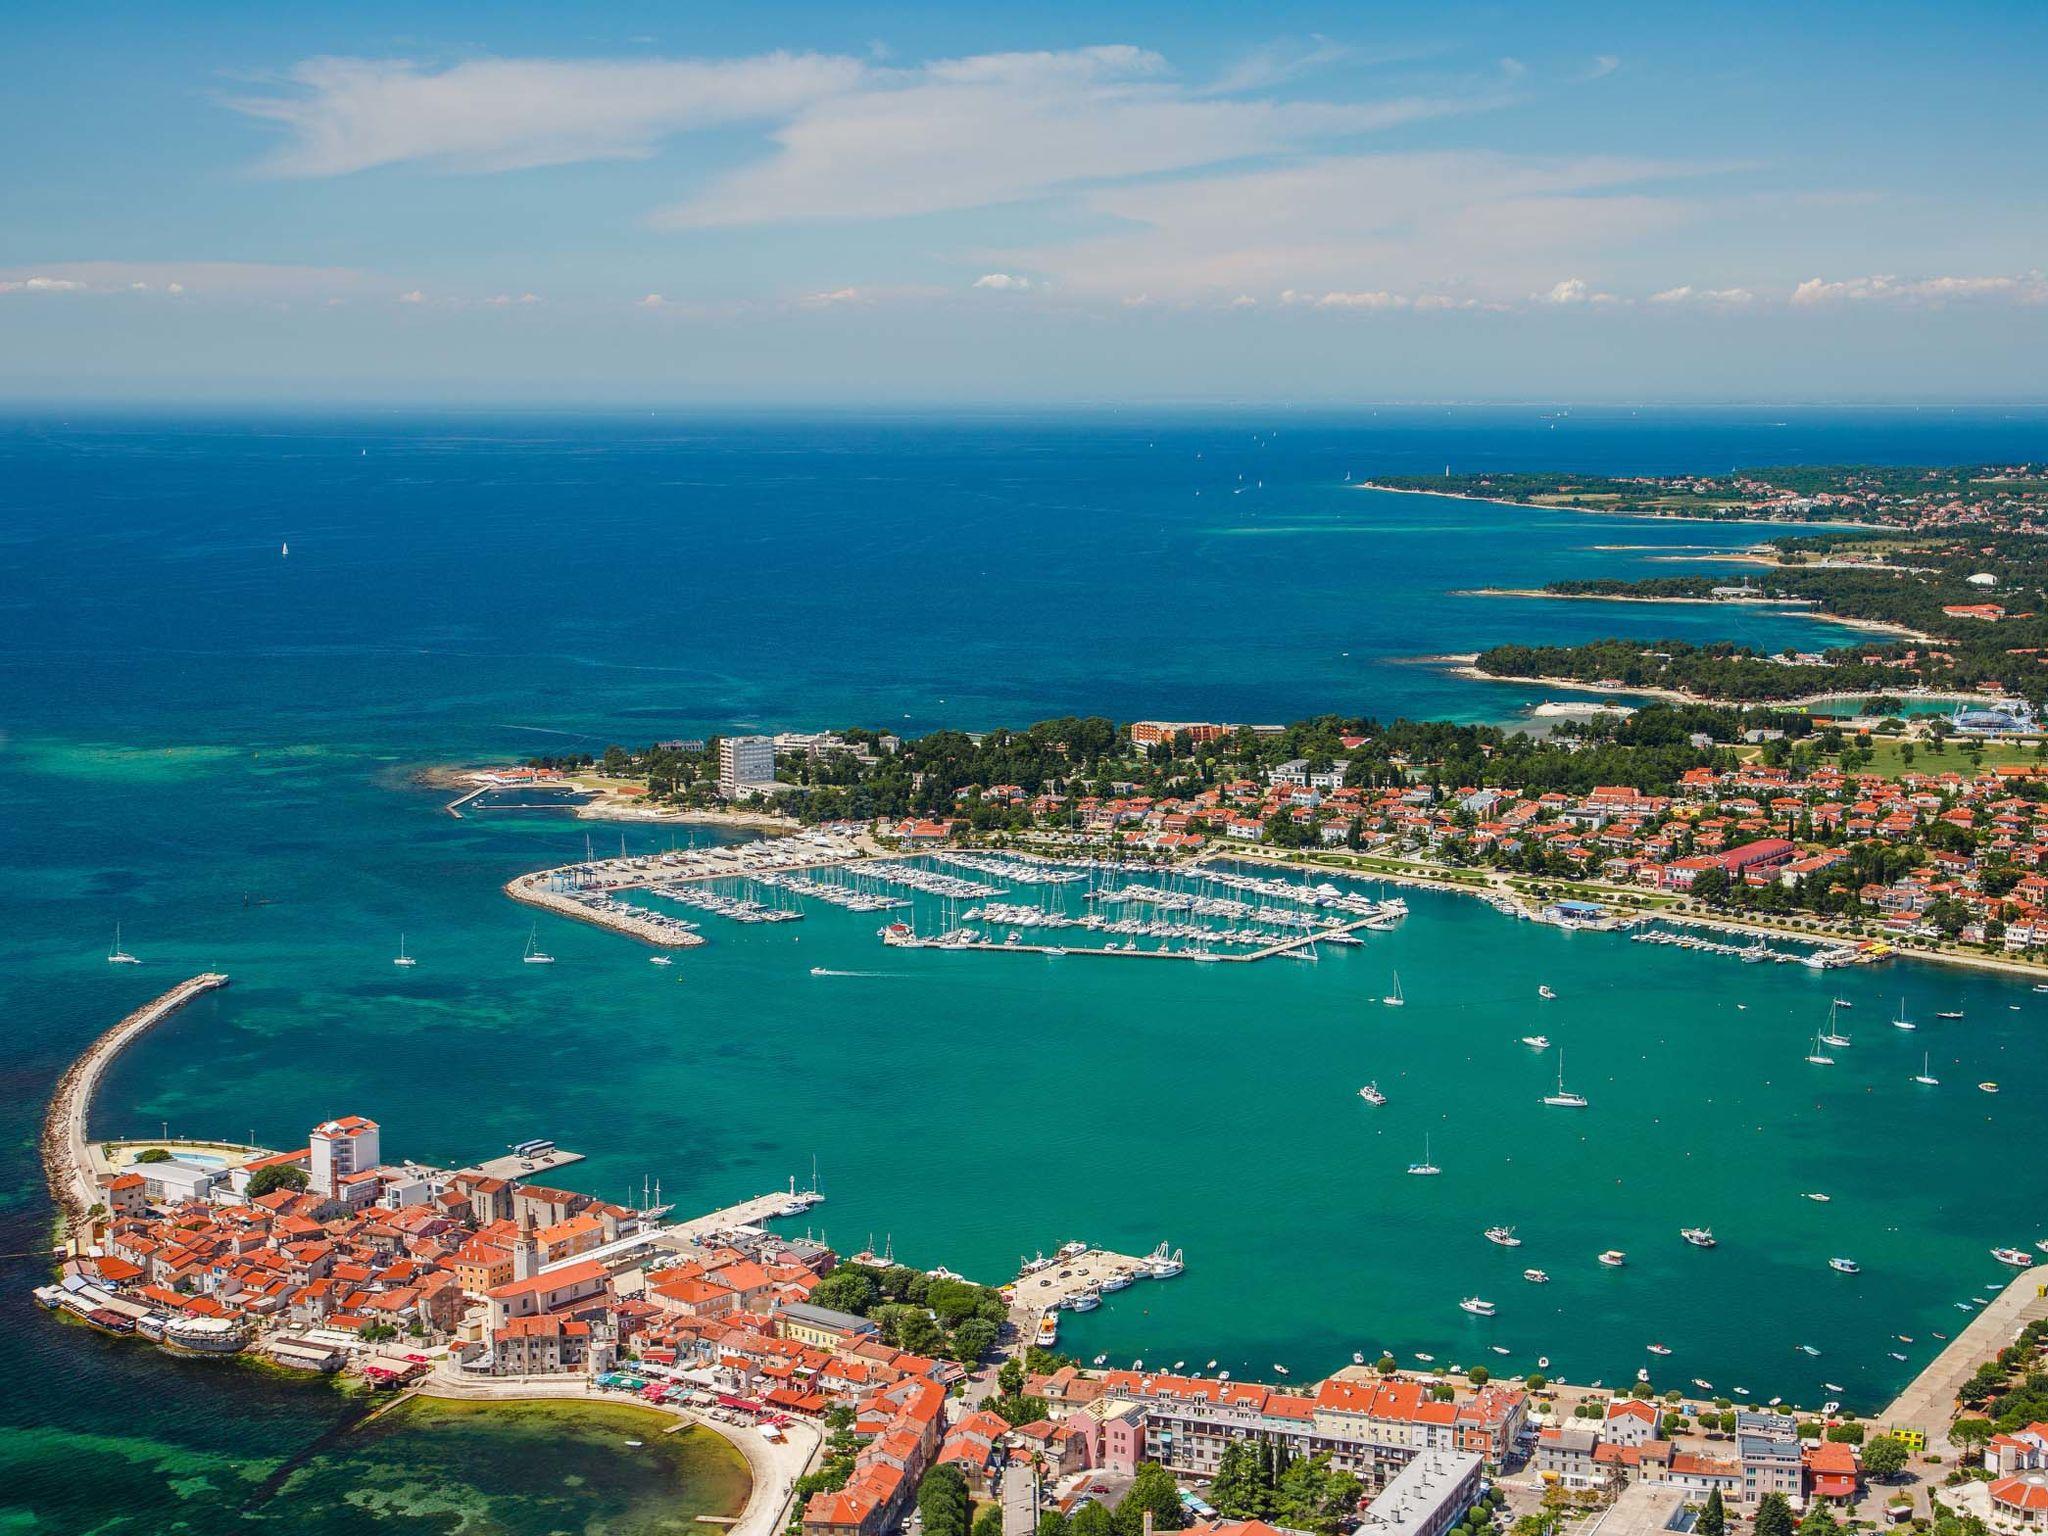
[1279,1370]
[1700,1237]
[1504,1236]
[2018,1258]
[1808,1349]
[1951,1013]
[1358,1357]
[1614,1258]
[659,960]
[1817,1197]
[1548,996]
[1498,1349]
[1425,1359]
[1895,1354]
[1987,1087]
[1704,1386]
[1371,1094]
[1477,1307]
[1834,1386]
[1536,1042]
[1843,1002]
[1536,1276]
[1845,1266]
[1659,1349]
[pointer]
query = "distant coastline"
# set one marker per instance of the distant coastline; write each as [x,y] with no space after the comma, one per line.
[1636,512]
[1791,607]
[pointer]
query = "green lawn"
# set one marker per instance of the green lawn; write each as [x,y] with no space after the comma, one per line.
[1890,760]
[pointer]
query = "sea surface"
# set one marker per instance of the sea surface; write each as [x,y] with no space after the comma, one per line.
[212,742]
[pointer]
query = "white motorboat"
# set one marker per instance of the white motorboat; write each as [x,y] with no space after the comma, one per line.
[1699,1237]
[1536,1042]
[1536,1277]
[1504,1236]
[1371,1094]
[1845,1266]
[1477,1307]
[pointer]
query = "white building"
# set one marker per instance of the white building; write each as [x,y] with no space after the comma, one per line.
[343,1147]
[746,766]
[1428,1496]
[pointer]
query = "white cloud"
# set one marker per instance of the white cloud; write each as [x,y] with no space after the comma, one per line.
[1003,282]
[412,296]
[1467,229]
[1604,64]
[2021,288]
[1003,128]
[1687,294]
[1574,290]
[343,115]
[505,300]
[831,297]
[1377,299]
[252,280]
[40,285]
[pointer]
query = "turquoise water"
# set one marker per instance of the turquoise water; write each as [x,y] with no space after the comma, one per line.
[212,745]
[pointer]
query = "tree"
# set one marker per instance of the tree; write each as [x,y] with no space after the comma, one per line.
[1713,1519]
[1240,1490]
[849,1288]
[1536,1381]
[152,1155]
[990,1521]
[1092,1520]
[1884,1458]
[1962,1432]
[1010,1379]
[1774,1516]
[1153,1491]
[1019,1410]
[972,1339]
[943,1501]
[277,1176]
[1053,1522]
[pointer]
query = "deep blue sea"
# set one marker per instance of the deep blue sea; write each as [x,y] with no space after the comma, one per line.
[211,742]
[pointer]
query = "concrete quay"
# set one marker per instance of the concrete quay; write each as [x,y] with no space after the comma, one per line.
[747,1213]
[654,928]
[773,1467]
[68,1161]
[1302,942]
[1929,1403]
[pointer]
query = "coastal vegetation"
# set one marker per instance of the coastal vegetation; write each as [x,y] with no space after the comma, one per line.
[952,1318]
[1258,1481]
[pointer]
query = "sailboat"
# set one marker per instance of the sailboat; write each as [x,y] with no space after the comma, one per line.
[535,955]
[1425,1168]
[117,955]
[1817,1056]
[1564,1098]
[1394,999]
[1902,1022]
[402,958]
[1952,1013]
[1924,1075]
[1832,1035]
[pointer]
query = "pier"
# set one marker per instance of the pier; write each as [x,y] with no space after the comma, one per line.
[67,1155]
[1301,944]
[747,1213]
[1929,1404]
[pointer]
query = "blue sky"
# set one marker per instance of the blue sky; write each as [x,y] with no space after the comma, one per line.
[1038,202]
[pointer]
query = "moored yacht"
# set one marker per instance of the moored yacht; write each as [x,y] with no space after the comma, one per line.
[1371,1094]
[1902,1022]
[1546,994]
[1845,1266]
[1536,1042]
[1536,1276]
[1564,1098]
[1477,1307]
[1925,1075]
[1614,1258]
[402,958]
[1394,999]
[1425,1168]
[2018,1258]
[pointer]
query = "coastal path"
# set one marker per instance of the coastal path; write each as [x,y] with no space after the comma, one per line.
[1929,1403]
[67,1155]
[774,1466]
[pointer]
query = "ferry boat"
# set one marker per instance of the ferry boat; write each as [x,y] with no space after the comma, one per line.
[2018,1258]
[1425,1168]
[1477,1307]
[1546,994]
[1536,1042]
[1700,1237]
[1902,1022]
[1564,1098]
[1845,1266]
[1505,1236]
[1924,1076]
[402,958]
[1371,1094]
[1536,1277]
[117,955]
[1048,1330]
[1659,1349]
[535,955]
[1614,1258]
[1394,999]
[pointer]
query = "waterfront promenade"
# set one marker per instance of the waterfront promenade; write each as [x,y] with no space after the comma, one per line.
[747,1213]
[774,1467]
[67,1154]
[1928,1404]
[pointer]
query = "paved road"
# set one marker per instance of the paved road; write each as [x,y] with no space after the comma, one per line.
[1020,1500]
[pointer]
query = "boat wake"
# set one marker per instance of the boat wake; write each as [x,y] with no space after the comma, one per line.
[819,970]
